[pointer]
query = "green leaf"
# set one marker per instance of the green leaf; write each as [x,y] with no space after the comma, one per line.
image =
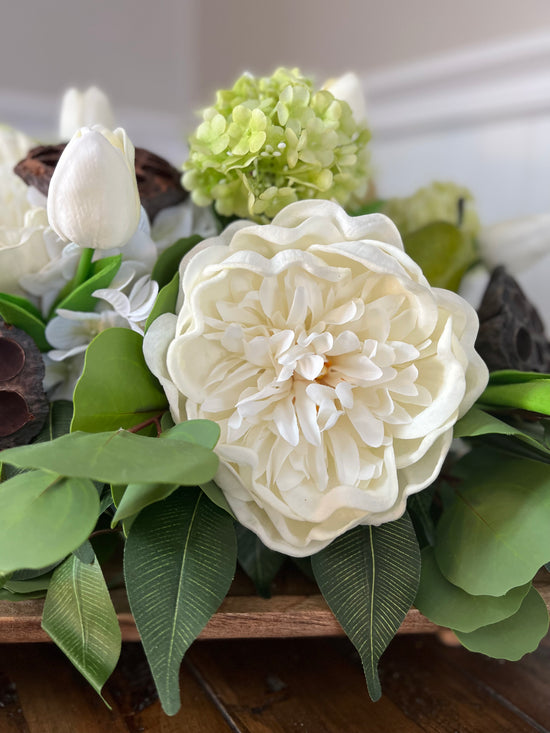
[216,496]
[138,496]
[80,618]
[443,251]
[369,577]
[20,313]
[166,300]
[81,298]
[373,207]
[476,422]
[168,263]
[448,605]
[419,506]
[259,562]
[179,562]
[515,636]
[494,536]
[513,376]
[119,458]
[116,389]
[85,553]
[44,517]
[58,422]
[200,432]
[6,595]
[533,395]
[29,586]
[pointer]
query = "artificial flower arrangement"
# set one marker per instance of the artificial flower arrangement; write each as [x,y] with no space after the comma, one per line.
[275,366]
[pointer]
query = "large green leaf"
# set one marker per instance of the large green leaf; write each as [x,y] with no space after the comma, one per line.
[443,251]
[513,637]
[179,562]
[20,313]
[216,496]
[168,263]
[476,423]
[259,562]
[102,274]
[119,458]
[166,300]
[495,536]
[448,605]
[532,395]
[79,616]
[116,389]
[44,517]
[369,578]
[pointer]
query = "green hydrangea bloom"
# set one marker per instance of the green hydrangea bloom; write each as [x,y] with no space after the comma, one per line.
[273,140]
[437,202]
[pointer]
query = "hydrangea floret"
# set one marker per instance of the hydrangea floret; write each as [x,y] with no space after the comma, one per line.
[270,141]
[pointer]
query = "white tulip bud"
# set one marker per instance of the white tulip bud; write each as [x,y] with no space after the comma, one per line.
[93,198]
[84,109]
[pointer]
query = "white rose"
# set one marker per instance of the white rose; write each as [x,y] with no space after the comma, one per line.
[336,373]
[93,198]
[22,248]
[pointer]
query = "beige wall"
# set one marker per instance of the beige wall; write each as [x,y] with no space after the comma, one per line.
[171,54]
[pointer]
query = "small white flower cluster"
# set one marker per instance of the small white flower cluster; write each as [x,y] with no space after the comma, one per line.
[92,202]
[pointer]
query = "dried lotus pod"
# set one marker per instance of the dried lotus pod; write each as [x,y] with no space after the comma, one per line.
[511,333]
[159,183]
[23,404]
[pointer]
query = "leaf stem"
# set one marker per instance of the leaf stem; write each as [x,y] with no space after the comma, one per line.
[145,424]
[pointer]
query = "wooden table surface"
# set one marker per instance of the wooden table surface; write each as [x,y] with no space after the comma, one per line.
[282,685]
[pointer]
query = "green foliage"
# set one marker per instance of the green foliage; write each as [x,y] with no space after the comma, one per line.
[531,393]
[513,637]
[494,536]
[80,618]
[179,562]
[44,517]
[22,314]
[116,389]
[101,275]
[167,265]
[118,458]
[166,300]
[448,605]
[137,496]
[369,578]
[216,496]
[58,422]
[259,562]
[443,251]
[477,423]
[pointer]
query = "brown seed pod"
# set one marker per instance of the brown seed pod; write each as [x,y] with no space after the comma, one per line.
[159,183]
[511,333]
[23,404]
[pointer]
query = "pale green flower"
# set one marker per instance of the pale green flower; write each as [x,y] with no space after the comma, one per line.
[274,140]
[437,202]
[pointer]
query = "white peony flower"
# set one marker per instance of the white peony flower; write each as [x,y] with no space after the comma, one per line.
[22,248]
[336,373]
[84,109]
[93,198]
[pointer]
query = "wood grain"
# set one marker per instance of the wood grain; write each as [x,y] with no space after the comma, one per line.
[241,615]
